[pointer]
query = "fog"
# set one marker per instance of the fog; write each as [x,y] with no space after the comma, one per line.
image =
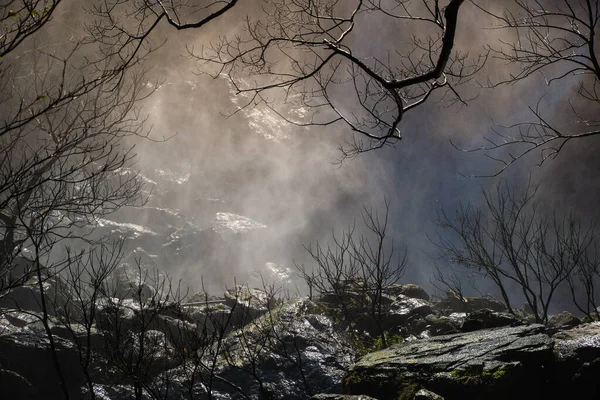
[286,178]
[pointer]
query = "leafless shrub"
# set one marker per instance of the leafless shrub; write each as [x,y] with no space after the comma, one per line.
[356,268]
[511,242]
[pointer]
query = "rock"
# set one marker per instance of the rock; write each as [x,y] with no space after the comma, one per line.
[202,298]
[454,303]
[292,351]
[25,322]
[20,271]
[181,334]
[118,317]
[403,309]
[210,318]
[78,334]
[563,320]
[577,353]
[114,392]
[409,290]
[157,354]
[341,397]
[115,316]
[579,344]
[444,325]
[584,384]
[424,394]
[247,304]
[130,283]
[486,302]
[348,300]
[28,296]
[510,362]
[11,321]
[417,325]
[14,386]
[487,319]
[29,356]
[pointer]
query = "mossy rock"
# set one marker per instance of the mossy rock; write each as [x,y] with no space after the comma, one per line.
[408,391]
[394,386]
[357,382]
[510,362]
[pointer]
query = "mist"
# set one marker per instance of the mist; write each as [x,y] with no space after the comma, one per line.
[256,189]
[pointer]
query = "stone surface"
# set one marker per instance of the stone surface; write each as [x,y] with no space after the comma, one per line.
[130,283]
[341,397]
[210,318]
[293,351]
[424,394]
[408,289]
[454,303]
[489,364]
[28,297]
[486,319]
[577,353]
[445,324]
[404,308]
[29,356]
[247,303]
[563,320]
[15,386]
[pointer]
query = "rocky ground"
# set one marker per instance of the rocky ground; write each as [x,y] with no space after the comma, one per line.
[251,344]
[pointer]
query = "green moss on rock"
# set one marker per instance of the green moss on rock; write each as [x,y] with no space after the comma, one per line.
[495,374]
[408,391]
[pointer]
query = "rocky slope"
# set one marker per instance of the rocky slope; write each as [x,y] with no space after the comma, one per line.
[250,344]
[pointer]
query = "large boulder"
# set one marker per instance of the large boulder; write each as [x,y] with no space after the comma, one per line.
[453,302]
[113,392]
[486,319]
[248,303]
[180,333]
[80,335]
[511,362]
[408,289]
[424,394]
[28,297]
[210,318]
[29,356]
[20,271]
[563,320]
[14,386]
[131,283]
[12,321]
[445,324]
[577,353]
[290,350]
[404,309]
[485,302]
[116,316]
[322,396]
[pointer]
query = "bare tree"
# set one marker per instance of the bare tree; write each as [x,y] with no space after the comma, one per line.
[584,284]
[556,41]
[363,266]
[511,242]
[312,57]
[68,109]
[69,106]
